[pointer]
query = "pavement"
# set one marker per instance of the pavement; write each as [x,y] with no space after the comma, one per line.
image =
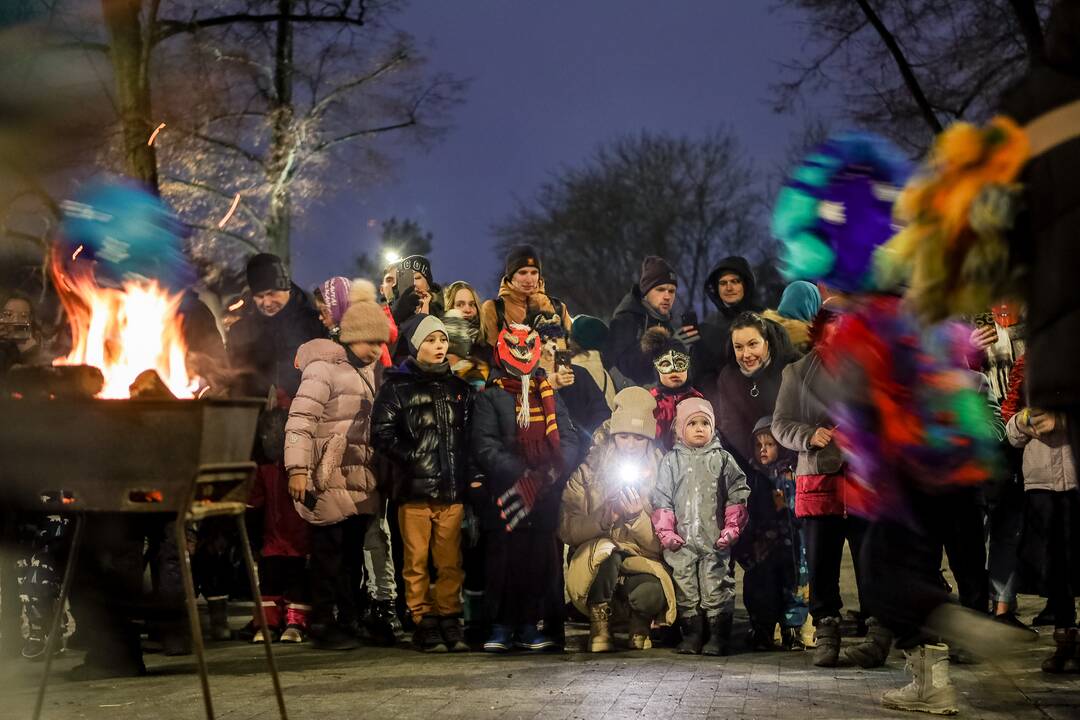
[402,684]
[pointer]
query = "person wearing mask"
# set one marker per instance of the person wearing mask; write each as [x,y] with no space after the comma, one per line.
[731,288]
[649,304]
[605,519]
[522,293]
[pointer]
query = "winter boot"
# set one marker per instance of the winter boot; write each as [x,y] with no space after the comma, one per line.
[791,639]
[599,632]
[762,637]
[218,609]
[719,635]
[930,690]
[874,649]
[639,632]
[296,623]
[380,623]
[827,652]
[272,608]
[1066,646]
[692,631]
[453,634]
[428,637]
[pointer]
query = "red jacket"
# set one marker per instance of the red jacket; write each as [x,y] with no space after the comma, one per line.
[385,360]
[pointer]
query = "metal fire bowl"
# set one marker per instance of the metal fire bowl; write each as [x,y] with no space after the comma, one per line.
[91,455]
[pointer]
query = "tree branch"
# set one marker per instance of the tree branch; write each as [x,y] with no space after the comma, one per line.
[228,234]
[224,144]
[344,87]
[247,210]
[363,133]
[168,28]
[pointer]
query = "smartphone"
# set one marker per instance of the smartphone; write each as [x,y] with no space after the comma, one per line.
[689,318]
[310,500]
[562,359]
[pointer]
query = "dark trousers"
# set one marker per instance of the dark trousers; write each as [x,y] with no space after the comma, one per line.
[767,586]
[825,537]
[525,579]
[960,518]
[336,550]
[642,592]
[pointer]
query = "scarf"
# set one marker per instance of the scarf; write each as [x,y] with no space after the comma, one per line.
[442,368]
[666,400]
[538,434]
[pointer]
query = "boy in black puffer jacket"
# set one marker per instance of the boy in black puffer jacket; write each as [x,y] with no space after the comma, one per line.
[420,420]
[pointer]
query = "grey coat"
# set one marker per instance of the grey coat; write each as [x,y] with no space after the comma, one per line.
[801,408]
[697,484]
[1048,461]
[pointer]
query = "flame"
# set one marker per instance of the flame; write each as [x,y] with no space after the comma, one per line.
[124,331]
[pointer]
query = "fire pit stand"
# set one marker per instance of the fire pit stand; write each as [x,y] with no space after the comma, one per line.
[188,458]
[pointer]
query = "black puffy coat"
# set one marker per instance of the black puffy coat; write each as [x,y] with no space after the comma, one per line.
[420,421]
[623,352]
[1044,241]
[262,350]
[713,351]
[499,463]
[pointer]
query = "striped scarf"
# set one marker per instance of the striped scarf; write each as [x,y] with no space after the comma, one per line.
[538,431]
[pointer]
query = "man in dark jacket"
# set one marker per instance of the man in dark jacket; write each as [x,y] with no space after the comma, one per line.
[420,421]
[648,304]
[1045,236]
[732,288]
[262,344]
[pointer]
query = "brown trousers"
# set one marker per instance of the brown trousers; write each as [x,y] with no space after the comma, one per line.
[431,528]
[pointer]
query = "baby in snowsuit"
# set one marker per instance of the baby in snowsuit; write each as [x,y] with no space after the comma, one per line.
[700,500]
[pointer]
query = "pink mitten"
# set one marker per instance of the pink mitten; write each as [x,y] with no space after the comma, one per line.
[663,521]
[735,518]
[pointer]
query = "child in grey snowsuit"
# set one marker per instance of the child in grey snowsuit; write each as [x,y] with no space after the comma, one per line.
[700,500]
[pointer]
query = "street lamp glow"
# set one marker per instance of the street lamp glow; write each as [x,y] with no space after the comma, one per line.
[391,257]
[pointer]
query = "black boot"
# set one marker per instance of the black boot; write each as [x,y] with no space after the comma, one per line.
[827,652]
[1065,649]
[874,649]
[453,635]
[761,637]
[791,639]
[428,636]
[380,623]
[692,631]
[719,635]
[218,609]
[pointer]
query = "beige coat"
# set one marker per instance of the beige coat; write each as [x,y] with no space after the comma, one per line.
[585,505]
[327,433]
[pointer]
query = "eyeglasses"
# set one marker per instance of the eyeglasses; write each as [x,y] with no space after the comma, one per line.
[672,362]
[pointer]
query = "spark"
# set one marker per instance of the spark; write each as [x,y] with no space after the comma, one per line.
[232,209]
[153,135]
[77,252]
[236,305]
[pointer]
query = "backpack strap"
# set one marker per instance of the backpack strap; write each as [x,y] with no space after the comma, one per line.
[1053,128]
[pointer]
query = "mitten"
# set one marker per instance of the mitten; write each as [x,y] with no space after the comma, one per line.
[516,503]
[663,521]
[735,518]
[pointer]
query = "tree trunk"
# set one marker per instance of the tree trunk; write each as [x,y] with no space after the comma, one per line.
[130,66]
[1027,16]
[282,150]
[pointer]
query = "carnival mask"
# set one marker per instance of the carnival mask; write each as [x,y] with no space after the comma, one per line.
[672,361]
[518,350]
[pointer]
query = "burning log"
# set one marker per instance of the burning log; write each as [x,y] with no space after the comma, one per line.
[149,386]
[68,382]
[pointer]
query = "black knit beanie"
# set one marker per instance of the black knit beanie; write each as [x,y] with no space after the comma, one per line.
[267,272]
[521,256]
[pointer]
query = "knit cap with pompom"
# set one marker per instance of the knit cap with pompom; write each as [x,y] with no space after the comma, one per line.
[365,320]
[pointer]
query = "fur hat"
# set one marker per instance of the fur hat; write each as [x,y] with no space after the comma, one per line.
[267,272]
[687,410]
[664,351]
[634,413]
[365,320]
[655,271]
[521,256]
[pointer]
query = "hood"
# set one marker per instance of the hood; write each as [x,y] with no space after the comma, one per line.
[631,304]
[738,265]
[801,301]
[798,331]
[315,350]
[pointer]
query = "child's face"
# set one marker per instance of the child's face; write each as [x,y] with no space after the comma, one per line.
[698,432]
[673,380]
[767,449]
[433,349]
[324,313]
[367,352]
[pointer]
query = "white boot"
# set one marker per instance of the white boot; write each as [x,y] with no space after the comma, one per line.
[930,690]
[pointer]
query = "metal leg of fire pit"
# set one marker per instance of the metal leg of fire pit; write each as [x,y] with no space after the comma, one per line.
[193,613]
[256,595]
[54,627]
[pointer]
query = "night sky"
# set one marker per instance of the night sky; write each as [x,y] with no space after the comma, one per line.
[550,81]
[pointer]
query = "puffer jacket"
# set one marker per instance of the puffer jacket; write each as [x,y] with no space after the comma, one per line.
[628,323]
[327,434]
[420,422]
[698,484]
[1048,461]
[586,503]
[516,306]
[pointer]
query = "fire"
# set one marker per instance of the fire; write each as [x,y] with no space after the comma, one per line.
[125,331]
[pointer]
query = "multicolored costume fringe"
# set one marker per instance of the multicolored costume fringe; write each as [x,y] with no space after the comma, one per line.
[953,253]
[919,420]
[835,209]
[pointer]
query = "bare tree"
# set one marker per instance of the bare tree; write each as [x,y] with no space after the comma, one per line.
[690,201]
[909,67]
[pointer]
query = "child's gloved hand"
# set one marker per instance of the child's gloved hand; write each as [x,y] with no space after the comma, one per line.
[735,518]
[516,503]
[663,521]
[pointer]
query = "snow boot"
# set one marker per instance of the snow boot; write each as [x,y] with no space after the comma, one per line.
[272,608]
[930,690]
[379,623]
[719,635]
[827,652]
[693,628]
[874,649]
[639,632]
[296,623]
[218,610]
[1064,659]
[599,630]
